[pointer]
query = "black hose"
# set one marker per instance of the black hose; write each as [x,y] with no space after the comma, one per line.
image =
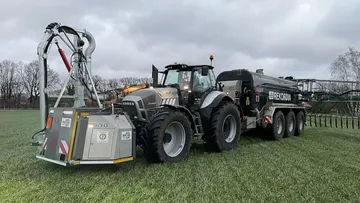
[46,77]
[64,28]
[32,137]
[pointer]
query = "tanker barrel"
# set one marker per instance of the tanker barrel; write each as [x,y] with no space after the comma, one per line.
[258,82]
[255,79]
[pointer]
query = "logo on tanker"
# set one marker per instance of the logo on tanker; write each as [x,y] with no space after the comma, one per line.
[279,96]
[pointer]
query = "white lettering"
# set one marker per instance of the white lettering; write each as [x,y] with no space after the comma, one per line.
[280,96]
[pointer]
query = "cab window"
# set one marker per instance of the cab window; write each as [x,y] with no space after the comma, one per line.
[202,83]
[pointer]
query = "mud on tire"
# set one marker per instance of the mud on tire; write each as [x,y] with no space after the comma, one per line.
[225,128]
[167,137]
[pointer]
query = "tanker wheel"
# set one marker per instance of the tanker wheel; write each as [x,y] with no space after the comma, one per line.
[290,121]
[300,123]
[224,132]
[277,128]
[168,137]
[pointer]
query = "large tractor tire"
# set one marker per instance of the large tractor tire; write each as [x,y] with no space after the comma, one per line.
[168,137]
[290,122]
[225,128]
[300,123]
[277,128]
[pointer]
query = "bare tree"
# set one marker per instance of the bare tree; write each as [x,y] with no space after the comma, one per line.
[10,85]
[112,84]
[99,83]
[31,80]
[346,67]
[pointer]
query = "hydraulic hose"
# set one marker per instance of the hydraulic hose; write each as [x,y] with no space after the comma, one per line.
[46,78]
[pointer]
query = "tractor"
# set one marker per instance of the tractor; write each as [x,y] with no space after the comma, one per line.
[186,104]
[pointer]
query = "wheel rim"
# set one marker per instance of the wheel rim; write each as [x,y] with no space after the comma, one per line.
[280,126]
[229,128]
[174,139]
[291,125]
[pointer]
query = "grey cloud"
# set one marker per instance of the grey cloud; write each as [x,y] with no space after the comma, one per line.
[237,27]
[232,25]
[342,21]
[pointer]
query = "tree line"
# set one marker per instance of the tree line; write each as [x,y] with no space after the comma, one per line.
[19,84]
[19,81]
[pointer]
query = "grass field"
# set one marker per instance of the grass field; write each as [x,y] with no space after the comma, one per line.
[321,166]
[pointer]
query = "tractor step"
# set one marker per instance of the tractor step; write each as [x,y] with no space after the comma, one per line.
[199,131]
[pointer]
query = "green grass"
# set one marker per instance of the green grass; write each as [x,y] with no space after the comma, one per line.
[323,165]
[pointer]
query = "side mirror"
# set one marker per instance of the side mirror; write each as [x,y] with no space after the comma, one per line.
[155,74]
[204,71]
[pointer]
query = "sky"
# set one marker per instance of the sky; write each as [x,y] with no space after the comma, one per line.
[298,38]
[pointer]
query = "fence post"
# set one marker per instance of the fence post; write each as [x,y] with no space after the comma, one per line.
[336,121]
[331,116]
[341,121]
[325,120]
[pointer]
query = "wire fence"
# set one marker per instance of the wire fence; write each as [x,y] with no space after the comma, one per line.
[333,121]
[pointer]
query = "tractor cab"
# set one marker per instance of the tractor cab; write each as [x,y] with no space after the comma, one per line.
[192,81]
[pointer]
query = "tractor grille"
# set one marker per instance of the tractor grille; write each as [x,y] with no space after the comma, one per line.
[130,108]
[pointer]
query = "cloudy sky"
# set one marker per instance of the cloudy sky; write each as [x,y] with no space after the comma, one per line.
[297,37]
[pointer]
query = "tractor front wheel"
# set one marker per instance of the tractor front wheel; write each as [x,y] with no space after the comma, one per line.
[168,137]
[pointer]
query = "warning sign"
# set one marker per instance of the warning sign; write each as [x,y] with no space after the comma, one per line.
[103,137]
[126,135]
[66,122]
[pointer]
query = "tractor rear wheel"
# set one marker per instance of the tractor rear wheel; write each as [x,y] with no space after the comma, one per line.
[300,123]
[168,136]
[277,128]
[224,132]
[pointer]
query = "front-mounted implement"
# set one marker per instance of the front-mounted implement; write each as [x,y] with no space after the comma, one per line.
[76,136]
[79,134]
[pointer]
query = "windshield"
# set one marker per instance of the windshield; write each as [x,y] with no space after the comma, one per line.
[178,77]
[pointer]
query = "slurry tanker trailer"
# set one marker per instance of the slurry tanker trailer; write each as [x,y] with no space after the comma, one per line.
[189,101]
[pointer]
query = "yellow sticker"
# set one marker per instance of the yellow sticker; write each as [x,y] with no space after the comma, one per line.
[103,137]
[247,101]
